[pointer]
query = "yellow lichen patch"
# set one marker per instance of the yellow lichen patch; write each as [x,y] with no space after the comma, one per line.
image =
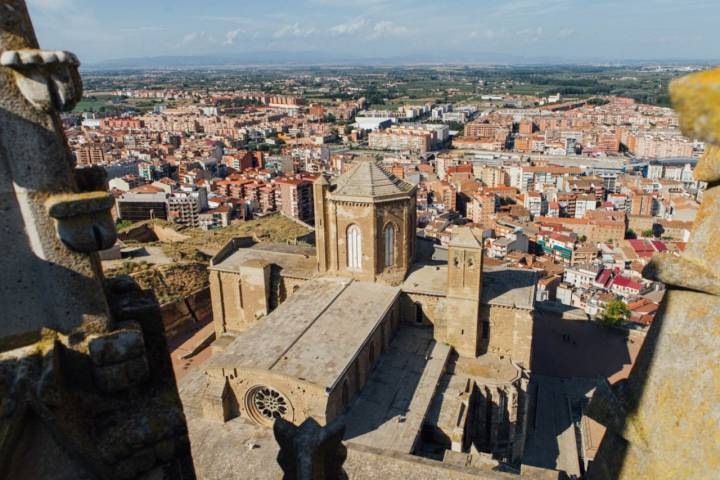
[708,168]
[697,99]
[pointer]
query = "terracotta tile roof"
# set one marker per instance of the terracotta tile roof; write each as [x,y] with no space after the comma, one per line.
[627,283]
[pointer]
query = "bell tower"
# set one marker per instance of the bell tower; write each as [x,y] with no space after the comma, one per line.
[465,258]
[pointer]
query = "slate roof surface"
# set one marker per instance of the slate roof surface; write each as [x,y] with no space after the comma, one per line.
[315,333]
[367,179]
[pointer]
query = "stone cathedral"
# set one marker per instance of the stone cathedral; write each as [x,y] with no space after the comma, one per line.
[418,356]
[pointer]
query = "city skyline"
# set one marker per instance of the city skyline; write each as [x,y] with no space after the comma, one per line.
[519,31]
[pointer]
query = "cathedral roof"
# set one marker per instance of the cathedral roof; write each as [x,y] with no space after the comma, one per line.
[368,181]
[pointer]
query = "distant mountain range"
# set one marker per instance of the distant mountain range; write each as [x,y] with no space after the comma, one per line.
[290,59]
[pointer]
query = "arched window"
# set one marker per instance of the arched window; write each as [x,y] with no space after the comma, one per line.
[389,235]
[354,248]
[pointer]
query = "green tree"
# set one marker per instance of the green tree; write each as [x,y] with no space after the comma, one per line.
[456,126]
[616,312]
[630,234]
[120,224]
[648,233]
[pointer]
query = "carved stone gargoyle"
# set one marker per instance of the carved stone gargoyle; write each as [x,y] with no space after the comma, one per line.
[47,79]
[311,452]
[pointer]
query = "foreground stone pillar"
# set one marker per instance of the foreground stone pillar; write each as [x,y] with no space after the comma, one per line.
[48,283]
[86,385]
[663,421]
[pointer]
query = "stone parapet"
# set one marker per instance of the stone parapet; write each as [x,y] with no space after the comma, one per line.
[663,420]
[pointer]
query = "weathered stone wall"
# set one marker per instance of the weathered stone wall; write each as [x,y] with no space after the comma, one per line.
[288,286]
[304,399]
[347,214]
[182,315]
[427,310]
[372,220]
[255,290]
[228,314]
[500,419]
[507,331]
[238,297]
[397,214]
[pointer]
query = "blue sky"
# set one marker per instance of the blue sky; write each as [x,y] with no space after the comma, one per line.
[484,30]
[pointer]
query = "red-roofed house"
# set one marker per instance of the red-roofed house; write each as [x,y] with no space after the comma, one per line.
[625,287]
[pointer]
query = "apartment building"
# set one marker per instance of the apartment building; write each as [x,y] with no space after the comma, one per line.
[399,139]
[184,208]
[295,197]
[482,208]
[89,155]
[142,205]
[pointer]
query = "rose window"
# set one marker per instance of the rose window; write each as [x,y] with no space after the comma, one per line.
[270,403]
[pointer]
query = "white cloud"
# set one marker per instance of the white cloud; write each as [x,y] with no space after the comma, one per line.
[388,28]
[197,37]
[191,37]
[531,34]
[293,30]
[348,27]
[231,36]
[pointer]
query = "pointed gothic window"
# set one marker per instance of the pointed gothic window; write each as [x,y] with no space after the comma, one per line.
[354,247]
[389,245]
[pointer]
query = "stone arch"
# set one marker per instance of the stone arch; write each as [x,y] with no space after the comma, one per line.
[354,247]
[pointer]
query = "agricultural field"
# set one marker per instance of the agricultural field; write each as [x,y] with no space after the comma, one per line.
[387,87]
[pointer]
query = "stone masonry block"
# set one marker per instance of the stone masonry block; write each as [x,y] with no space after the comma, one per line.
[121,376]
[116,347]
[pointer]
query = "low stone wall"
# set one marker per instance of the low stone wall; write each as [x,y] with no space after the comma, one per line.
[149,232]
[231,247]
[368,462]
[182,315]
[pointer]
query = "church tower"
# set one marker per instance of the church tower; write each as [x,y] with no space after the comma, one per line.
[320,189]
[465,259]
[365,224]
